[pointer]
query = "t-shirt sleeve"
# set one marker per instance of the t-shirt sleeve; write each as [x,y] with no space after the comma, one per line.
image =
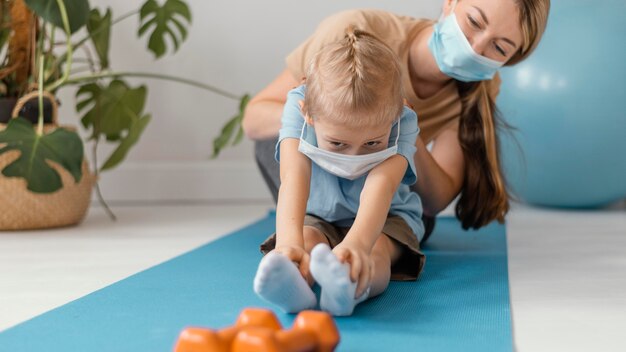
[292,120]
[330,30]
[406,142]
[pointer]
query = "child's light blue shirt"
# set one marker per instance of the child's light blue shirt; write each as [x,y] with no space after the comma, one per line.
[336,199]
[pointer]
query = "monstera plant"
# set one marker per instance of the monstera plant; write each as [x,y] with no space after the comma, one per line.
[52,44]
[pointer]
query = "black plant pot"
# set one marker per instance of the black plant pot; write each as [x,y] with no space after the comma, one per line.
[30,110]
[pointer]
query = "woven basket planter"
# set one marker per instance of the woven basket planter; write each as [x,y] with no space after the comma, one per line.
[21,209]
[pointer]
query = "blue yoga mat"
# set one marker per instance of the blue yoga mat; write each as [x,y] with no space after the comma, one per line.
[460,302]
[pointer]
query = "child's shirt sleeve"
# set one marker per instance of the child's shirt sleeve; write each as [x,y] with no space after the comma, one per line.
[406,143]
[292,120]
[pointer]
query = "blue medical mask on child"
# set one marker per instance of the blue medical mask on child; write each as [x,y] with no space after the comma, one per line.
[454,54]
[345,166]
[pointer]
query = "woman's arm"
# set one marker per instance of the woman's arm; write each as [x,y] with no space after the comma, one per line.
[261,120]
[440,173]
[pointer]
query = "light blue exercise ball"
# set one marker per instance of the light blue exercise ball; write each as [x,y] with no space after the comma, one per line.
[568,103]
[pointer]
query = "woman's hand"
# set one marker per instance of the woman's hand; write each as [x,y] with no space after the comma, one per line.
[299,257]
[360,266]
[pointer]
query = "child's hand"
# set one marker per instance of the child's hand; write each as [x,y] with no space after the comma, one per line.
[360,266]
[299,257]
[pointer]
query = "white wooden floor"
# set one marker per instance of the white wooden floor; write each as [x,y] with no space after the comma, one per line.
[567,269]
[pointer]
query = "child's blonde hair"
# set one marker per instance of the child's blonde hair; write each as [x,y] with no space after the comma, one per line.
[357,76]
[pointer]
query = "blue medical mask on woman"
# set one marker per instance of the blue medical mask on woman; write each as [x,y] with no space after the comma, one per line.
[345,166]
[455,55]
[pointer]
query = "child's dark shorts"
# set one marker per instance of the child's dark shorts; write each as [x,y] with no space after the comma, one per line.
[406,268]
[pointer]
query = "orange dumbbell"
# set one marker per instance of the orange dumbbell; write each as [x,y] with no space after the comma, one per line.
[259,330]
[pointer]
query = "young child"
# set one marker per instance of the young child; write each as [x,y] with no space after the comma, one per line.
[346,150]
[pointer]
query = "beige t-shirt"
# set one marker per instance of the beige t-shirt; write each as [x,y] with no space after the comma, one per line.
[434,113]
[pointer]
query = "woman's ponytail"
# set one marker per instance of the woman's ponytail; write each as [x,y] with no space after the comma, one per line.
[484,196]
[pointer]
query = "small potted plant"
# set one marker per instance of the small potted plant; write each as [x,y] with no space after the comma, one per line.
[45,180]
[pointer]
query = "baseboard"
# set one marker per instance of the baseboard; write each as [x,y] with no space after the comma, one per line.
[194,181]
[184,181]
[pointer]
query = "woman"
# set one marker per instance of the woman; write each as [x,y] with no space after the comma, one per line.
[450,79]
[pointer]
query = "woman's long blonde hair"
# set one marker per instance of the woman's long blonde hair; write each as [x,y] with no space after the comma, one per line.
[484,196]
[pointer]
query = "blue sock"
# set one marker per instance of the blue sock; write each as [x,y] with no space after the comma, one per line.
[333,276]
[279,281]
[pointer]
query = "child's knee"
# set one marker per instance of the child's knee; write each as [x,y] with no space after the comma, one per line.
[312,237]
[386,249]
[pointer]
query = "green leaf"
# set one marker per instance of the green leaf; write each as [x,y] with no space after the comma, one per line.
[113,108]
[99,28]
[135,131]
[4,36]
[164,19]
[221,141]
[61,146]
[5,28]
[239,136]
[242,107]
[77,12]
[113,112]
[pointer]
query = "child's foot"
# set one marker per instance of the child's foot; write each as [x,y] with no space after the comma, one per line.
[279,281]
[333,276]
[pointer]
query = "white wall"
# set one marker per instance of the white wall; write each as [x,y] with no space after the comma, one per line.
[236,45]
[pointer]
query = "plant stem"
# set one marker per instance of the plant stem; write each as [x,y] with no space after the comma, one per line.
[40,78]
[81,69]
[94,77]
[68,34]
[40,96]
[97,175]
[92,63]
[38,48]
[51,42]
